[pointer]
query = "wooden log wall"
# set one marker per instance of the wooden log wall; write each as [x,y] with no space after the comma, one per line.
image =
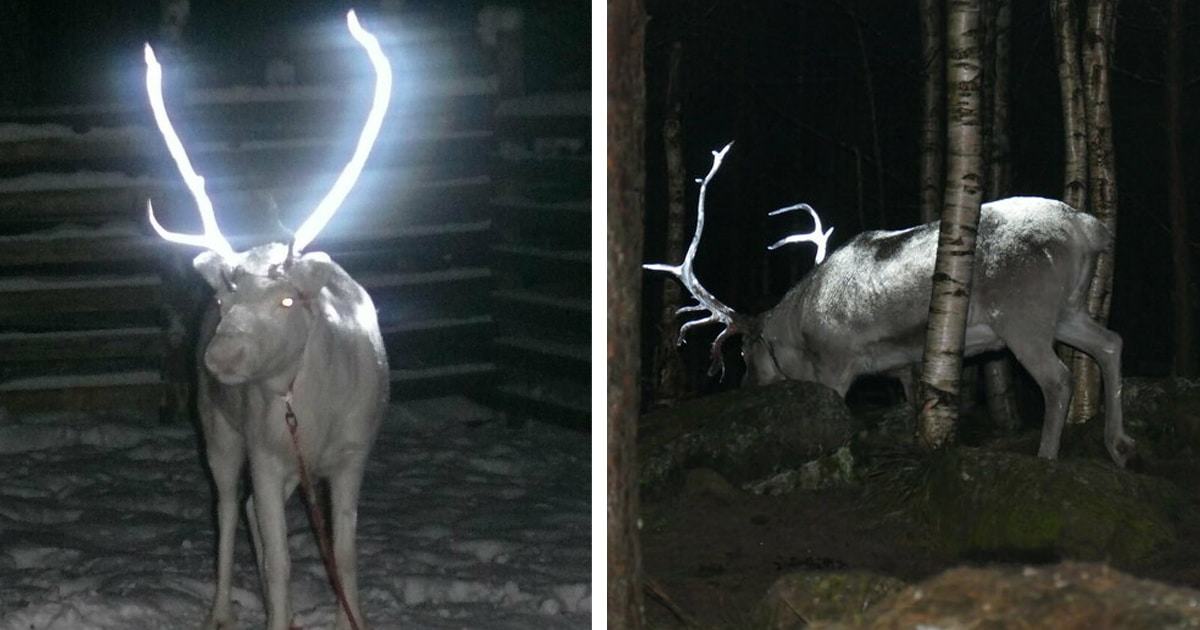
[96,312]
[543,220]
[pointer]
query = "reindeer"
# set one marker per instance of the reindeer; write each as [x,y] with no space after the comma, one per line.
[293,375]
[864,309]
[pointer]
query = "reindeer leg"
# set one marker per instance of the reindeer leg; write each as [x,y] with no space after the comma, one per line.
[270,495]
[226,455]
[1038,358]
[1104,346]
[344,490]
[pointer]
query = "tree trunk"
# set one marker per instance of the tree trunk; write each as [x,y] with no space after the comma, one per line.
[626,180]
[997,373]
[669,381]
[1097,57]
[1075,162]
[1070,84]
[1184,363]
[946,330]
[932,131]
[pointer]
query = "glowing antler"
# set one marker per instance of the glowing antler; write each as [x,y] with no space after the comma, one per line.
[212,238]
[718,313]
[383,93]
[816,236]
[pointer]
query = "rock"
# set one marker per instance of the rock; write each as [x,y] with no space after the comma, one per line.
[835,469]
[1146,401]
[1067,595]
[707,482]
[1008,505]
[745,435]
[798,599]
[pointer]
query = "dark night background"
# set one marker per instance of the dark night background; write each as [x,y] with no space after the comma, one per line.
[785,80]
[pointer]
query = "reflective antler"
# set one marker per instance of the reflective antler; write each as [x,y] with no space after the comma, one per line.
[821,239]
[212,238]
[345,181]
[718,313]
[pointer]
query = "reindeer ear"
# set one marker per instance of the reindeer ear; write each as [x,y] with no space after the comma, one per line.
[311,272]
[211,266]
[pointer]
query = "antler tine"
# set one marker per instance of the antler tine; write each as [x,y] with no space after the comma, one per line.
[324,211]
[718,313]
[212,238]
[821,239]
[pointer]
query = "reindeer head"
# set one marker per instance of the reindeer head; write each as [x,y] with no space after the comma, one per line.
[765,361]
[270,295]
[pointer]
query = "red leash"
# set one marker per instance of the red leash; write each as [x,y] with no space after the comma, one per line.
[318,519]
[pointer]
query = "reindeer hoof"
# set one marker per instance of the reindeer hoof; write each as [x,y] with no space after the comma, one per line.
[1121,447]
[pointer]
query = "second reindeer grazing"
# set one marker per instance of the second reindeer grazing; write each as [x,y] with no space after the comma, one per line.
[864,309]
[293,374]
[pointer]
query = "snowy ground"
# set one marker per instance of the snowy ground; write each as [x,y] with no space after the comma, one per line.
[462,524]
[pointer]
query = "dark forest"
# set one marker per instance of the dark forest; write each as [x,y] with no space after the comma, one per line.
[788,504]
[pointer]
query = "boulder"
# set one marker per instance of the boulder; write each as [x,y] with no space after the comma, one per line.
[1068,595]
[745,435]
[798,599]
[986,503]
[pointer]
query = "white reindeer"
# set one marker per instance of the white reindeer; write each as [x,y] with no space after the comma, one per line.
[863,310]
[287,333]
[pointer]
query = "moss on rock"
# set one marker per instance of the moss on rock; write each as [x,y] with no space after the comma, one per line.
[798,599]
[1007,505]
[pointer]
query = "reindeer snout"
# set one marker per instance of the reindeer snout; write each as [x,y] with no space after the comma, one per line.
[226,358]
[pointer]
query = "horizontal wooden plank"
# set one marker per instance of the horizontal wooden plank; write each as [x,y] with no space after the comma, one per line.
[464,378]
[22,298]
[571,307]
[84,344]
[563,360]
[547,105]
[408,197]
[528,403]
[143,149]
[543,255]
[80,381]
[375,281]
[560,170]
[80,248]
[131,402]
[327,95]
[578,209]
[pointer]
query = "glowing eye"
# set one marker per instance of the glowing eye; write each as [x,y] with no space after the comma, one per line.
[287,302]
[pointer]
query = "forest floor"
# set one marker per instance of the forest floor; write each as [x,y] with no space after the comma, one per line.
[463,523]
[713,554]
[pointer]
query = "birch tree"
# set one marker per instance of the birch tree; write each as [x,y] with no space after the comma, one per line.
[997,373]
[626,178]
[946,330]
[1102,190]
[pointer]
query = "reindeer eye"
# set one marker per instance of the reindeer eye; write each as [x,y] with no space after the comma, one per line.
[287,302]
